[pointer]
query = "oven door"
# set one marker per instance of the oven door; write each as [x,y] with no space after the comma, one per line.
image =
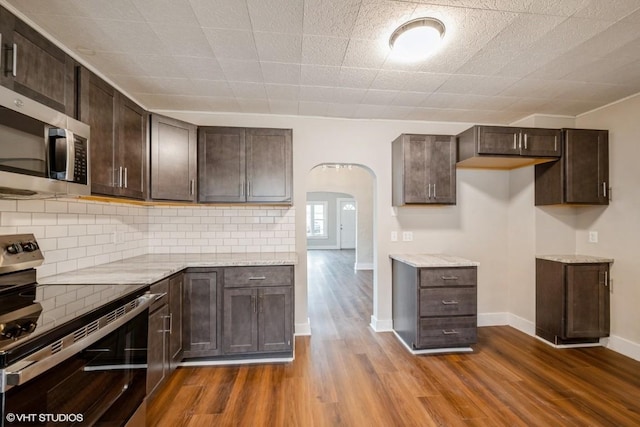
[102,385]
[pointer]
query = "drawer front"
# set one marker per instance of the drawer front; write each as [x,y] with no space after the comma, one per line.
[437,302]
[281,275]
[162,290]
[458,276]
[447,332]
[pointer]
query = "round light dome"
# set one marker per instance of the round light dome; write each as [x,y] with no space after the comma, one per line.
[416,39]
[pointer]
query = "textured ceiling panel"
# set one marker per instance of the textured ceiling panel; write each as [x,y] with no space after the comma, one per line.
[501,60]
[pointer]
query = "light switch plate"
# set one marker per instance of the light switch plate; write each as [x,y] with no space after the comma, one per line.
[593,237]
[407,236]
[394,236]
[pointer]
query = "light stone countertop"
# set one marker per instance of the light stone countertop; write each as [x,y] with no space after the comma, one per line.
[433,260]
[150,268]
[575,259]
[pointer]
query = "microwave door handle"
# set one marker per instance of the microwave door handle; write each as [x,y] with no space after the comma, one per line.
[71,156]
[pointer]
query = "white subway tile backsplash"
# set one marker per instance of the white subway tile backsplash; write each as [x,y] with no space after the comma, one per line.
[77,234]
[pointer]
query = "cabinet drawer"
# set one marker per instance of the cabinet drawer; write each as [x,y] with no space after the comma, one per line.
[162,290]
[458,276]
[258,276]
[447,331]
[447,301]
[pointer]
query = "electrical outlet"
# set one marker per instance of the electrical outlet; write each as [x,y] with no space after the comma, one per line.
[407,236]
[394,236]
[593,237]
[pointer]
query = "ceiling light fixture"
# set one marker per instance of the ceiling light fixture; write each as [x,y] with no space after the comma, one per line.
[416,39]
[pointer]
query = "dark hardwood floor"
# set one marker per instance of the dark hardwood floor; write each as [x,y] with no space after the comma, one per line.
[345,374]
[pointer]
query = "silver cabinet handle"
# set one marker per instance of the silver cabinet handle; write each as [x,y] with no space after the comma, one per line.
[604,189]
[429,187]
[126,178]
[257,277]
[555,143]
[515,141]
[165,330]
[192,187]
[452,302]
[606,278]
[525,141]
[449,277]
[14,69]
[450,332]
[435,196]
[119,183]
[242,184]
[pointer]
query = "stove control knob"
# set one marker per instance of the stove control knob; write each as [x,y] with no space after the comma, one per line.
[14,248]
[11,331]
[28,327]
[29,246]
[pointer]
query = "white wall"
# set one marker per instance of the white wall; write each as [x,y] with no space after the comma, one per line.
[618,225]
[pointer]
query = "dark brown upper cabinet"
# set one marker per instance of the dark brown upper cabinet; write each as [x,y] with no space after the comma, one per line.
[34,67]
[581,176]
[119,146]
[501,147]
[424,169]
[173,159]
[238,165]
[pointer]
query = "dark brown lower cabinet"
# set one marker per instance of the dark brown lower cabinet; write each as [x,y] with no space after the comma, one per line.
[158,339]
[434,307]
[202,321]
[572,301]
[164,346]
[258,314]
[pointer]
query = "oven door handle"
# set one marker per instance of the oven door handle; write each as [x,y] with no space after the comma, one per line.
[45,359]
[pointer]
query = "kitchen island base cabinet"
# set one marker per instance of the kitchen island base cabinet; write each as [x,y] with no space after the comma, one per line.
[572,301]
[434,307]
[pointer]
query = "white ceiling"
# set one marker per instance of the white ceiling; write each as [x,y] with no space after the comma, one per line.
[502,59]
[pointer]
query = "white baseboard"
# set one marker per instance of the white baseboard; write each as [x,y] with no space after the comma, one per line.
[381,325]
[302,329]
[363,266]
[320,247]
[493,319]
[623,346]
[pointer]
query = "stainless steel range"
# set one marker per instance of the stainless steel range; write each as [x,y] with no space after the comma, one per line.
[69,354]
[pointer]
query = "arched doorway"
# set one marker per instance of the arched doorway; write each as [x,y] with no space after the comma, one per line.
[332,188]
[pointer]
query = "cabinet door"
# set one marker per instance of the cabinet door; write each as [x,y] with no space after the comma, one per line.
[498,140]
[269,165]
[275,318]
[587,301]
[35,67]
[587,166]
[201,314]
[173,159]
[97,108]
[442,170]
[416,158]
[240,320]
[541,142]
[221,164]
[157,356]
[176,290]
[132,144]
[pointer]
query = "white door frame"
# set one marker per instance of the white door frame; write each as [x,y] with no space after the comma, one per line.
[339,200]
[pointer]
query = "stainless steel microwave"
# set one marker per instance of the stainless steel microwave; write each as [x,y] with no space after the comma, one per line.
[43,153]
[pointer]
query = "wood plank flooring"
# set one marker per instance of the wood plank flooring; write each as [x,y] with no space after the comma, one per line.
[347,375]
